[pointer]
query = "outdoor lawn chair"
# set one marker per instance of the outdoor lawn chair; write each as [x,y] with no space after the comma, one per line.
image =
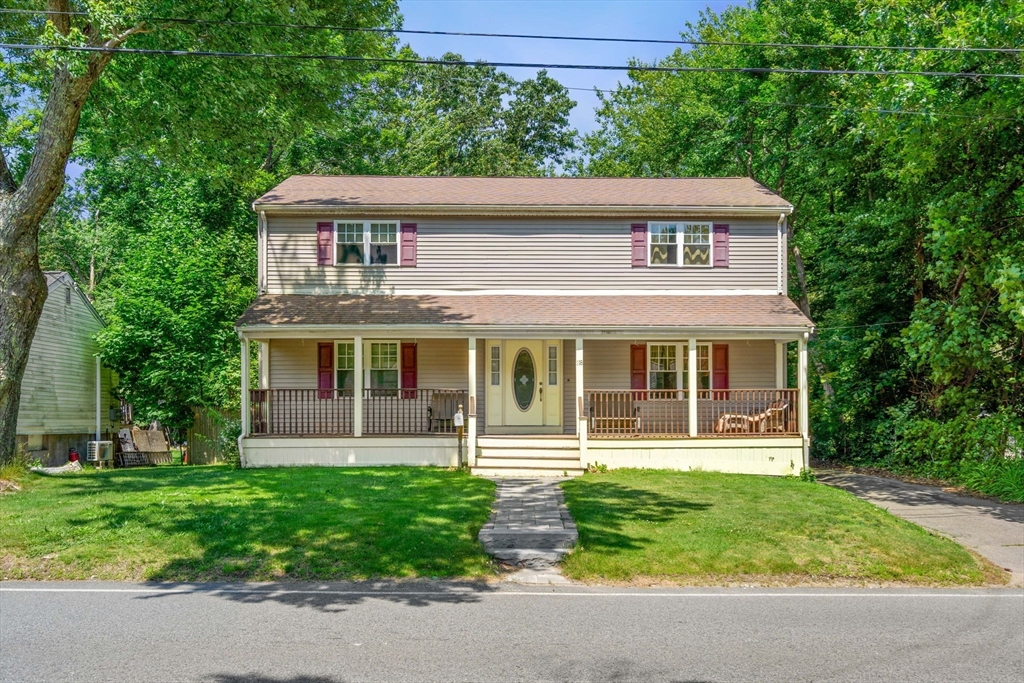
[773,419]
[441,412]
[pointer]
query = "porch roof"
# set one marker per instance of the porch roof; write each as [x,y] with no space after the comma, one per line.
[554,312]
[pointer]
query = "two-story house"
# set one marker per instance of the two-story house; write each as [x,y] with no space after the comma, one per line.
[624,322]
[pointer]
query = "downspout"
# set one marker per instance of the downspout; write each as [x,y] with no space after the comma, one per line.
[98,397]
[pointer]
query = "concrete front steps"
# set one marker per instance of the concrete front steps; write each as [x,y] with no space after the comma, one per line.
[527,456]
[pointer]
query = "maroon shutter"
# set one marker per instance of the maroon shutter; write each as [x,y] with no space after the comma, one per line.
[638,237]
[721,245]
[324,239]
[638,366]
[408,257]
[325,368]
[720,370]
[408,370]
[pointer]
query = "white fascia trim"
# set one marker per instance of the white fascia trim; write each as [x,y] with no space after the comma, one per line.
[329,291]
[450,331]
[394,210]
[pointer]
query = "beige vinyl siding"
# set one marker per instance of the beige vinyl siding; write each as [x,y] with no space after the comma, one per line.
[752,364]
[58,392]
[605,364]
[482,375]
[469,255]
[441,363]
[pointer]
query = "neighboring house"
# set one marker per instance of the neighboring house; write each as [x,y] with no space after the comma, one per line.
[626,322]
[60,406]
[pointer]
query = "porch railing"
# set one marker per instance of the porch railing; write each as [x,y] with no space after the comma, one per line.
[313,412]
[412,411]
[665,413]
[301,412]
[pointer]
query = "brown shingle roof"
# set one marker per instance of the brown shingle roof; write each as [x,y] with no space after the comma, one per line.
[604,312]
[356,191]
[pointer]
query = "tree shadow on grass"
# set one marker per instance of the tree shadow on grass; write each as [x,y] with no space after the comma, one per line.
[603,509]
[298,524]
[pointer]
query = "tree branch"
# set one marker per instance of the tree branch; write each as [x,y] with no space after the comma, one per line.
[7,184]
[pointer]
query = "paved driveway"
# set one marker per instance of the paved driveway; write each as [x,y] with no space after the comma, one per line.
[993,530]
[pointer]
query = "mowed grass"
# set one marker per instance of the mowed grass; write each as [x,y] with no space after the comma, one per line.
[702,527]
[216,522]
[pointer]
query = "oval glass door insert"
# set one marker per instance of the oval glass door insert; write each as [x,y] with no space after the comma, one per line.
[524,379]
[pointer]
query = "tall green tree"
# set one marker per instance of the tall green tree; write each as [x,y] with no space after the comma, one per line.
[204,109]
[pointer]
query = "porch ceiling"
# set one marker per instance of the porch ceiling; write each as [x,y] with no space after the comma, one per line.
[740,313]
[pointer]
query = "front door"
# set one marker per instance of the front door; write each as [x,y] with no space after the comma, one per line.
[524,390]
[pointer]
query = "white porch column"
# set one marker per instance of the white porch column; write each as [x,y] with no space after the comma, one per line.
[805,431]
[691,385]
[780,365]
[582,425]
[245,387]
[357,389]
[263,362]
[471,408]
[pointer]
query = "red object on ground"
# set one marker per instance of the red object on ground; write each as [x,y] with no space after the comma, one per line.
[73,455]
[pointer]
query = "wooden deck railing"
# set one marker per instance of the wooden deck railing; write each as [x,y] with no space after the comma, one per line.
[330,412]
[301,412]
[412,411]
[638,413]
[665,413]
[730,412]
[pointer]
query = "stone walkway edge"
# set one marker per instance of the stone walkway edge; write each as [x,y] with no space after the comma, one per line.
[530,527]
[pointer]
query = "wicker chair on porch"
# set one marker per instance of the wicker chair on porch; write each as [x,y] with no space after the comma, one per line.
[441,412]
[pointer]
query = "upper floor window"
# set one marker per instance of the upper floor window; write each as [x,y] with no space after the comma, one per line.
[368,243]
[666,239]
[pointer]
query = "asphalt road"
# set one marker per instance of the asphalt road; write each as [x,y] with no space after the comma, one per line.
[448,632]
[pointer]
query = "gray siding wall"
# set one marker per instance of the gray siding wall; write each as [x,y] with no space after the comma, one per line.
[569,386]
[58,392]
[516,254]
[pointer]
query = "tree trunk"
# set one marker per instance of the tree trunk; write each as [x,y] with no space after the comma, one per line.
[22,209]
[805,306]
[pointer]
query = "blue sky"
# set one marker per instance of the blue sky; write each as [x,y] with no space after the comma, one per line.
[662,19]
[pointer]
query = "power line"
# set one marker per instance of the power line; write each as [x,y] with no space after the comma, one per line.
[530,36]
[864,110]
[524,65]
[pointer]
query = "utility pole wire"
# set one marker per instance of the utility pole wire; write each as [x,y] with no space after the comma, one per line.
[525,65]
[529,36]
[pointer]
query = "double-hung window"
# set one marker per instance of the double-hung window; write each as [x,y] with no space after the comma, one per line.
[367,243]
[346,366]
[664,250]
[663,373]
[679,244]
[383,367]
[703,367]
[696,244]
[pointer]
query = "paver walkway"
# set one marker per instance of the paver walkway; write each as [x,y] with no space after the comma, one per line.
[529,525]
[993,530]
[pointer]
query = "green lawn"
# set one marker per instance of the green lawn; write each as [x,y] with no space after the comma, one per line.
[703,527]
[215,522]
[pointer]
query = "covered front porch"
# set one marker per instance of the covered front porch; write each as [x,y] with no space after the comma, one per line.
[540,406]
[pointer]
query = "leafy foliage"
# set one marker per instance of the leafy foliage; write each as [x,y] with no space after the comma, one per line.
[909,195]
